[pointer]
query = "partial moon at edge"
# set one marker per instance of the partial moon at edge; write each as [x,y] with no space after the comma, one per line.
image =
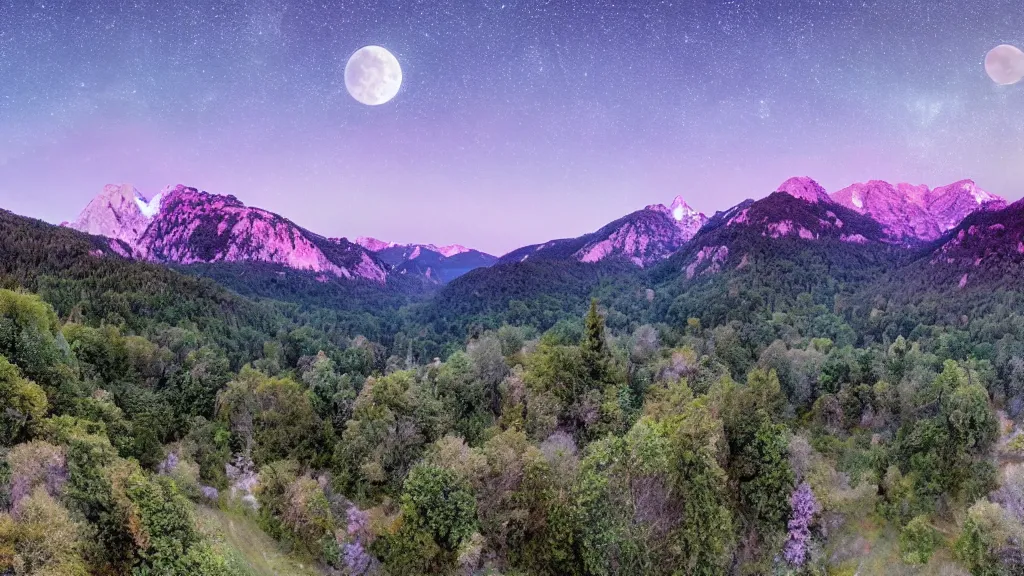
[1005,64]
[373,75]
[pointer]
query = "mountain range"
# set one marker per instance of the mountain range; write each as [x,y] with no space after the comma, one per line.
[644,237]
[184,226]
[861,321]
[439,264]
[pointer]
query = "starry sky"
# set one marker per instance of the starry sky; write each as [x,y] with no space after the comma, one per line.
[518,121]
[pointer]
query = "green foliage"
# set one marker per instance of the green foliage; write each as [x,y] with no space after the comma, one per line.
[436,501]
[136,522]
[271,418]
[331,393]
[43,539]
[986,533]
[410,553]
[972,425]
[438,515]
[616,443]
[23,404]
[758,450]
[582,383]
[765,477]
[464,396]
[707,532]
[918,541]
[1016,445]
[160,521]
[211,449]
[560,371]
[192,390]
[29,339]
[594,349]
[393,419]
[945,452]
[307,515]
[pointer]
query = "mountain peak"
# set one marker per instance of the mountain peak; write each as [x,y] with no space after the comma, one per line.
[681,210]
[452,250]
[914,212]
[374,245]
[150,207]
[644,237]
[968,189]
[804,188]
[185,226]
[119,211]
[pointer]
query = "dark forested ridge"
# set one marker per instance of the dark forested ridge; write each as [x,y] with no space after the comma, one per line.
[753,405]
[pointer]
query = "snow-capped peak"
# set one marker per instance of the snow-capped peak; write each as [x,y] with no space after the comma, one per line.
[980,196]
[120,212]
[916,212]
[149,208]
[681,210]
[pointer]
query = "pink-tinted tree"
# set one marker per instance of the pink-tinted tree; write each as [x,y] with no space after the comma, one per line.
[805,506]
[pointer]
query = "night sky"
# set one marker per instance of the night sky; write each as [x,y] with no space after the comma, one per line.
[518,121]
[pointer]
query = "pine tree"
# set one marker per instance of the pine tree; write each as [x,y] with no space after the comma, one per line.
[594,347]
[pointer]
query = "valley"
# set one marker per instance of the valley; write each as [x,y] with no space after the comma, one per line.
[672,392]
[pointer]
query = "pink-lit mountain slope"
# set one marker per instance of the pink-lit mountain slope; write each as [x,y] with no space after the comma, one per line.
[915,212]
[644,237]
[182,225]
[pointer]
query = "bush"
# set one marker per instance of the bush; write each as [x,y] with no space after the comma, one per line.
[918,541]
[438,502]
[987,533]
[22,404]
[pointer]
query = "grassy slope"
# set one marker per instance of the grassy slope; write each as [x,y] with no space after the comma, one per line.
[869,547]
[242,541]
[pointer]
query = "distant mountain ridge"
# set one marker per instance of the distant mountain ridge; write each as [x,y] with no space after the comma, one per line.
[375,245]
[643,238]
[183,225]
[798,211]
[439,264]
[914,212]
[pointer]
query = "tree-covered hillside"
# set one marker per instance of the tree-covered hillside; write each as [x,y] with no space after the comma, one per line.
[791,407]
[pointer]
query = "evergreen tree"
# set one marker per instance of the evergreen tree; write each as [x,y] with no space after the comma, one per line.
[594,346]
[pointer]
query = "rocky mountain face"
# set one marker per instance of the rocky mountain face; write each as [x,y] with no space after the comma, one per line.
[913,213]
[185,226]
[120,212]
[799,210]
[805,189]
[643,238]
[438,264]
[375,245]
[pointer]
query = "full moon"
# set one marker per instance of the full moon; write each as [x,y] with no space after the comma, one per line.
[373,75]
[1005,65]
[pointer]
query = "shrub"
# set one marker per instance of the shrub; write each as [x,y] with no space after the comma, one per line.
[918,541]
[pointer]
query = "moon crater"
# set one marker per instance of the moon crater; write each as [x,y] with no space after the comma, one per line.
[373,75]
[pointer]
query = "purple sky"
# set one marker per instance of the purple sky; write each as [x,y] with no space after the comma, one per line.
[518,121]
